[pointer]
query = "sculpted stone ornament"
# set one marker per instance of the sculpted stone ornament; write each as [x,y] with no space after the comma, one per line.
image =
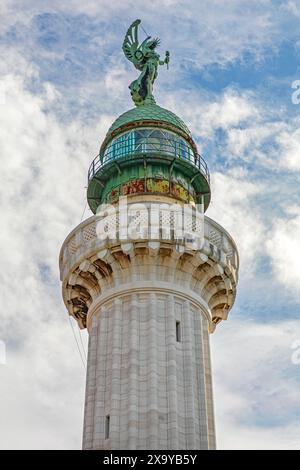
[146,60]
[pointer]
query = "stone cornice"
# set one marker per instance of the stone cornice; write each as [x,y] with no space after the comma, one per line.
[93,269]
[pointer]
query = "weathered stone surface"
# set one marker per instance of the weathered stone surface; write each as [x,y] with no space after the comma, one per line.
[156,390]
[149,305]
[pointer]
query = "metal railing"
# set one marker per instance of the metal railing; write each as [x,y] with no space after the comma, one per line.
[159,146]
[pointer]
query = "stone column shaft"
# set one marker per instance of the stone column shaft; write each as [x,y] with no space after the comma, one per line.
[147,380]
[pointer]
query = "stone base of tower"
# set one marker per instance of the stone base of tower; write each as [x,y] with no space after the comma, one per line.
[149,305]
[148,373]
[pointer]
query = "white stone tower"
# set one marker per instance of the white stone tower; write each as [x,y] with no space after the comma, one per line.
[149,296]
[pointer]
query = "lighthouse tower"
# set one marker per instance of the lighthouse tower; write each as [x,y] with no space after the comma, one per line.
[150,276]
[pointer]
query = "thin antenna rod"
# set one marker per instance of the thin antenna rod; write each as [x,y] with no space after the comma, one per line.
[83,212]
[80,353]
[84,351]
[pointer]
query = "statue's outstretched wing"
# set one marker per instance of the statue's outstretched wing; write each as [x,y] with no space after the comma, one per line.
[131,47]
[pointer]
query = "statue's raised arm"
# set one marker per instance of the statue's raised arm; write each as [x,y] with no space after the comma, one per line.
[145,58]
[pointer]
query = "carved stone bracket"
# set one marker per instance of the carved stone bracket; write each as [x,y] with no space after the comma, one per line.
[91,268]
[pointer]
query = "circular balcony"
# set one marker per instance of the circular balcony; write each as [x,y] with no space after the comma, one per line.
[148,142]
[94,257]
[148,160]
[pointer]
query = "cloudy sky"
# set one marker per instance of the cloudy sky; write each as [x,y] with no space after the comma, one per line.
[63,80]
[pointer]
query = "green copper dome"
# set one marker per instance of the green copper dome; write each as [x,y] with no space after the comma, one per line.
[148,112]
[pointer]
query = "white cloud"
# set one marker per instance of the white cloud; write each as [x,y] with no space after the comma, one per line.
[283,247]
[42,385]
[289,141]
[252,134]
[233,206]
[293,7]
[205,115]
[230,110]
[42,196]
[256,385]
[211,32]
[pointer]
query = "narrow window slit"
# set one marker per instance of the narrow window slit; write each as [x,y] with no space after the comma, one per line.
[107,420]
[178,332]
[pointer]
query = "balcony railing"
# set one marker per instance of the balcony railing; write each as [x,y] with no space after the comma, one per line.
[161,147]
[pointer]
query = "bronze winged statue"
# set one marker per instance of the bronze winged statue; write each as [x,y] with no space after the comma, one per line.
[146,60]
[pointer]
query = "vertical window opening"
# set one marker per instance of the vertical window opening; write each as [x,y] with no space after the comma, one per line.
[178,332]
[107,419]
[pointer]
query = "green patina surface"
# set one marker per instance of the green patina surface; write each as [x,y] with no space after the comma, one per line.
[138,171]
[150,112]
[145,171]
[127,169]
